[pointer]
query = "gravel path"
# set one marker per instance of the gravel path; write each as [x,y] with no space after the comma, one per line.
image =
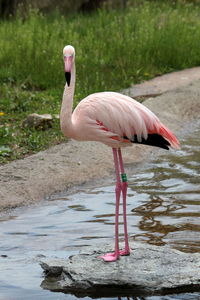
[64,166]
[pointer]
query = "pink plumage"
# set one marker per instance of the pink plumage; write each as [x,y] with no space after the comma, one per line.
[117,121]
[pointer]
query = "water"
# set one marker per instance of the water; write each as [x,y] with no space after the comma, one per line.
[163,205]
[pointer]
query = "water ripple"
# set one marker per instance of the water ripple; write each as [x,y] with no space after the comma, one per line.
[163,205]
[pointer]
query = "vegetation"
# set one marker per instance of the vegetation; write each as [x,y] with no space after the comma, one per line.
[113,50]
[11,7]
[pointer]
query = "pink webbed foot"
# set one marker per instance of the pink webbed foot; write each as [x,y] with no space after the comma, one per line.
[112,256]
[124,252]
[109,257]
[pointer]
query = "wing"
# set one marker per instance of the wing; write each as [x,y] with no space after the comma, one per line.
[120,117]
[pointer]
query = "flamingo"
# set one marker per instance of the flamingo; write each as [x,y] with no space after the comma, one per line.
[117,121]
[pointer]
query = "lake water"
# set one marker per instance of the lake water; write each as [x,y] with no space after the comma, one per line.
[163,205]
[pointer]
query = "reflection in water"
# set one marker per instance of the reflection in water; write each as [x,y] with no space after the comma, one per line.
[170,213]
[129,298]
[163,204]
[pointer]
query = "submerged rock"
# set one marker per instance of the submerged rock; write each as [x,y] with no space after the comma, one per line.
[148,270]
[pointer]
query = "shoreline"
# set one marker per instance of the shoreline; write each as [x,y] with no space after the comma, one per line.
[61,167]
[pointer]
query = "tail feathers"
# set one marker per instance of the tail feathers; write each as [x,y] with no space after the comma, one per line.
[153,139]
[169,136]
[163,138]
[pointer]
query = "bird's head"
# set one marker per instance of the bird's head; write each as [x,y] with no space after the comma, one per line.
[68,56]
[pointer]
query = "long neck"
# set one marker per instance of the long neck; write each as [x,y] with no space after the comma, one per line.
[67,105]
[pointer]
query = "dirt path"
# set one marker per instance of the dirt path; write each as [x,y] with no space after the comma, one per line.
[30,180]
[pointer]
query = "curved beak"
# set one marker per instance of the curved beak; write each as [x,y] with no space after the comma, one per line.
[68,59]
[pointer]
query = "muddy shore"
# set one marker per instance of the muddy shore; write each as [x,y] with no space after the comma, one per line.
[174,98]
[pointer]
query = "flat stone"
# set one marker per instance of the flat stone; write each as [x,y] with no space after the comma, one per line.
[39,122]
[148,270]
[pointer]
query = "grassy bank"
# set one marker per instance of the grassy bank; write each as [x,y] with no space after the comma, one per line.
[113,50]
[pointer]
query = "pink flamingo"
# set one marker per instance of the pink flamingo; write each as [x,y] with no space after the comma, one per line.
[117,121]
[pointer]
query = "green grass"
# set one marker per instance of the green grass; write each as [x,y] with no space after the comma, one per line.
[113,50]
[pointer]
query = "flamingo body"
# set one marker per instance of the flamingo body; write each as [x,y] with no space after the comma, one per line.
[117,121]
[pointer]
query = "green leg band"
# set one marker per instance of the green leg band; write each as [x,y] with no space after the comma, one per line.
[124,178]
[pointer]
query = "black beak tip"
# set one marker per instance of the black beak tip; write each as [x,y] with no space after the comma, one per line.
[68,77]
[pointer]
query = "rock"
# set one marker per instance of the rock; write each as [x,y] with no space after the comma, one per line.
[148,270]
[164,83]
[40,122]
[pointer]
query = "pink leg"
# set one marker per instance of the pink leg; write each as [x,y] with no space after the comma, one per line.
[114,256]
[124,185]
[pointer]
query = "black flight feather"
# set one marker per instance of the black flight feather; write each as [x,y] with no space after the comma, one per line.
[154,139]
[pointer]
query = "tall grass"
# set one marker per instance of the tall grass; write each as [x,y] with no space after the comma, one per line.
[113,50]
